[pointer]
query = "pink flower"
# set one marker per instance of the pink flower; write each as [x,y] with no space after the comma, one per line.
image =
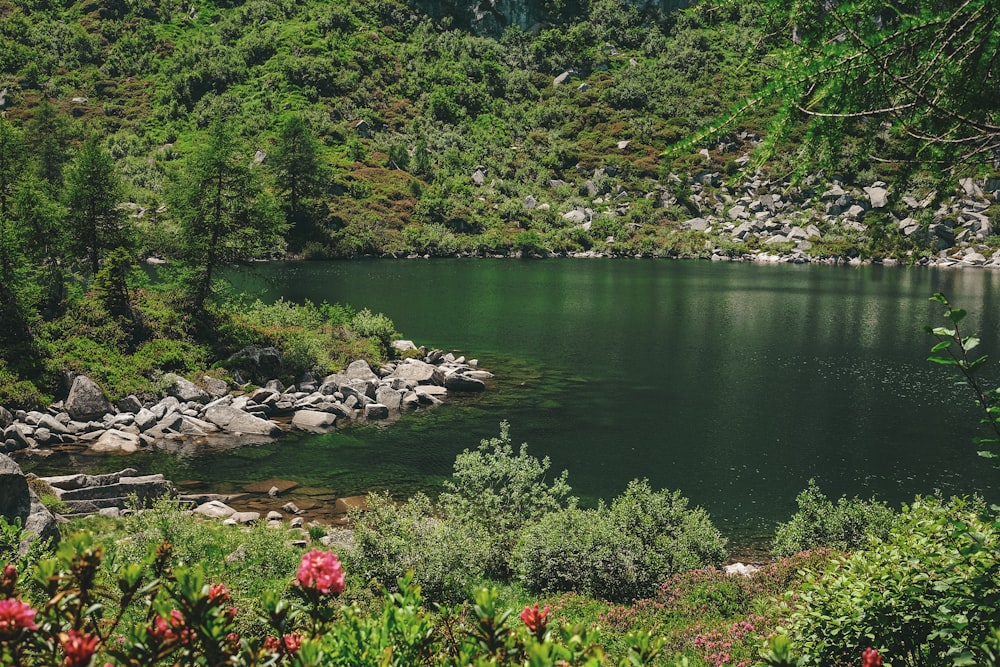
[293,642]
[534,619]
[871,658]
[16,616]
[218,592]
[9,580]
[79,647]
[321,571]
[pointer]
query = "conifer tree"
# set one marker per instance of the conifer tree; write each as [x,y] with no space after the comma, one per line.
[93,192]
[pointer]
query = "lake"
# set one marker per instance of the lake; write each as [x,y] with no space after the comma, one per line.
[735,383]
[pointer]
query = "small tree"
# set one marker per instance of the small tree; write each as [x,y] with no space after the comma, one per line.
[296,165]
[501,491]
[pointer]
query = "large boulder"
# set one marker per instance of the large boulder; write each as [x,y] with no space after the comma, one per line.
[313,420]
[414,370]
[86,401]
[461,382]
[257,363]
[15,500]
[114,441]
[360,370]
[184,390]
[40,524]
[231,419]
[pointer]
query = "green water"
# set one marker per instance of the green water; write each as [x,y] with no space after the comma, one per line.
[734,383]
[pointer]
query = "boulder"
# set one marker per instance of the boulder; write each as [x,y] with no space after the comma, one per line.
[418,371]
[115,441]
[15,500]
[376,411]
[215,386]
[230,419]
[6,419]
[403,345]
[40,524]
[145,419]
[258,363]
[86,400]
[130,403]
[462,382]
[184,390]
[878,196]
[388,397]
[313,420]
[215,509]
[360,370]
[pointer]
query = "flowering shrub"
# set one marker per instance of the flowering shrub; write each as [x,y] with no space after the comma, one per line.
[160,613]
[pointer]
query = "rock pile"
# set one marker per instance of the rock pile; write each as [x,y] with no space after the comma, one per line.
[191,414]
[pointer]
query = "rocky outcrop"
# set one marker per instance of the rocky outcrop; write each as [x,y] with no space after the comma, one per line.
[90,494]
[86,400]
[20,505]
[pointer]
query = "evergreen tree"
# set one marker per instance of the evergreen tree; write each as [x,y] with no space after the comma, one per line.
[93,195]
[46,132]
[296,166]
[11,161]
[224,214]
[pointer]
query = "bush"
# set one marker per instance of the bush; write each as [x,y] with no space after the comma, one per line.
[500,492]
[927,595]
[618,553]
[848,525]
[390,540]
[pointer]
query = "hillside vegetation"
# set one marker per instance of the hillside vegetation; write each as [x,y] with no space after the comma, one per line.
[207,134]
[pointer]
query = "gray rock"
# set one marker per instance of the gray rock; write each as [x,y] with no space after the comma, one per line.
[388,397]
[145,419]
[6,419]
[970,187]
[184,390]
[130,403]
[462,382]
[258,363]
[878,196]
[697,224]
[165,406]
[231,419]
[215,509]
[576,216]
[40,524]
[215,386]
[312,420]
[530,202]
[115,441]
[414,370]
[15,501]
[360,370]
[375,411]
[478,178]
[52,424]
[402,345]
[43,435]
[86,400]
[245,517]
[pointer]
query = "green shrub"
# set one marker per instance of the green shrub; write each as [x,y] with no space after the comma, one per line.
[374,326]
[390,540]
[618,553]
[847,525]
[926,595]
[500,492]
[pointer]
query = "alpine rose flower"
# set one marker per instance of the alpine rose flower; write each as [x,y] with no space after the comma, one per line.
[321,571]
[871,658]
[534,619]
[79,647]
[16,616]
[9,580]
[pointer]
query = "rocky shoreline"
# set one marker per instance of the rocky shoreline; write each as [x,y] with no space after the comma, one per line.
[815,220]
[211,413]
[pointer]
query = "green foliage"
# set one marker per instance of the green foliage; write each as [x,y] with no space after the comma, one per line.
[847,525]
[446,556]
[927,595]
[501,492]
[618,553]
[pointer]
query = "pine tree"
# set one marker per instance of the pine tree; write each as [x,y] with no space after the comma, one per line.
[225,215]
[93,194]
[296,166]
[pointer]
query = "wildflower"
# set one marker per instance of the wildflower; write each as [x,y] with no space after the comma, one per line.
[79,647]
[292,642]
[321,571]
[218,592]
[16,616]
[871,658]
[534,619]
[9,581]
[272,644]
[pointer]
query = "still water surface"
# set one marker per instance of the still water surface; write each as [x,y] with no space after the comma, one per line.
[734,383]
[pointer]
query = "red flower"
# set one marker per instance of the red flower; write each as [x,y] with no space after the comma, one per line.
[272,644]
[16,616]
[79,647]
[871,658]
[218,592]
[534,619]
[321,571]
[293,642]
